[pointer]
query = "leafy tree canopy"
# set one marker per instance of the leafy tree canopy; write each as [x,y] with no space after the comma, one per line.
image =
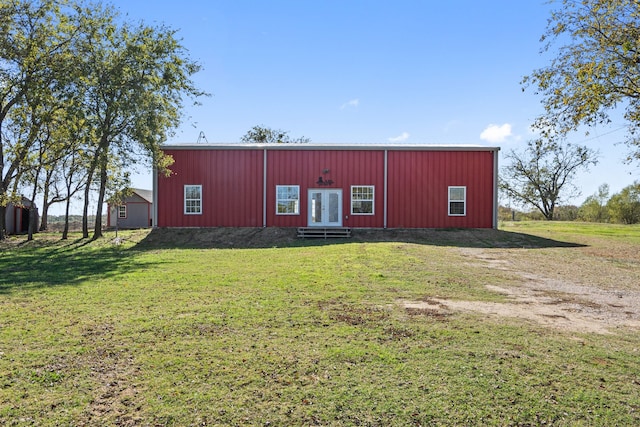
[624,207]
[596,68]
[77,77]
[594,209]
[261,134]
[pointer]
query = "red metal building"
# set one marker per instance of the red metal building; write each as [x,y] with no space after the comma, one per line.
[311,185]
[17,216]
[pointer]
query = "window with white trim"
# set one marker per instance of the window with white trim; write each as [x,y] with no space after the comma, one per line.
[287,199]
[362,199]
[193,199]
[457,201]
[122,211]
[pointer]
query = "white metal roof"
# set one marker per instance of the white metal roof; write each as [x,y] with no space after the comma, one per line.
[312,146]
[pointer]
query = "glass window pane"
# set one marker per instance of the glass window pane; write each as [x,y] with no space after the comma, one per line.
[193,199]
[362,207]
[456,193]
[193,192]
[456,208]
[316,207]
[362,199]
[333,207]
[287,197]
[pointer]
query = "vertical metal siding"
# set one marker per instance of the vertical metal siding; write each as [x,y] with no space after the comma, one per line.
[346,168]
[231,188]
[418,188]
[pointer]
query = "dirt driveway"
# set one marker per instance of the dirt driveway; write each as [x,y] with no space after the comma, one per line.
[593,288]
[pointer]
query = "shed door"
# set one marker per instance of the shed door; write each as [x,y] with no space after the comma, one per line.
[325,208]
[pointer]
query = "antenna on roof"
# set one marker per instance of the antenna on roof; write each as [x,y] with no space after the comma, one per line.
[202,138]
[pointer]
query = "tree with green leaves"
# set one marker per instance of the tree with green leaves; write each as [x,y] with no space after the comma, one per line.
[34,38]
[594,208]
[39,126]
[122,88]
[595,68]
[73,172]
[261,134]
[135,80]
[542,176]
[624,207]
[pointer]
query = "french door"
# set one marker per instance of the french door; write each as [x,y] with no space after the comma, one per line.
[325,207]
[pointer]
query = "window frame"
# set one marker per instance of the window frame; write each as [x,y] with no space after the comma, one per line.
[288,200]
[463,201]
[186,207]
[372,200]
[120,211]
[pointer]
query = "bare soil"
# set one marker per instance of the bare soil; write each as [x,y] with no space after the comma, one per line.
[115,372]
[591,289]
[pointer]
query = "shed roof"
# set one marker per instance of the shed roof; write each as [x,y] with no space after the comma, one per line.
[145,194]
[22,202]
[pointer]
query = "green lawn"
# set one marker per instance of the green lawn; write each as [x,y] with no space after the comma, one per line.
[306,333]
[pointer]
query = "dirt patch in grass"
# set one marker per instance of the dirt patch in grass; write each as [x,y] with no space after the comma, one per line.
[586,292]
[113,370]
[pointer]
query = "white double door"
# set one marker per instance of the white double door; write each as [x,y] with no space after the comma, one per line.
[325,207]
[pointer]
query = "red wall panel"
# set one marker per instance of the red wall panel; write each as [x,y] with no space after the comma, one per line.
[346,168]
[231,188]
[418,188]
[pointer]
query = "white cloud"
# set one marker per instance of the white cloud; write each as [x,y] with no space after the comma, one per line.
[400,138]
[351,104]
[496,133]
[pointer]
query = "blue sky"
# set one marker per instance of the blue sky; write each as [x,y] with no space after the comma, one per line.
[356,71]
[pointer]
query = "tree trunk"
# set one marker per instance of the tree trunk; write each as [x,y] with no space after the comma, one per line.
[3,212]
[85,215]
[65,232]
[68,184]
[3,189]
[33,219]
[97,231]
[95,161]
[85,211]
[32,210]
[3,193]
[101,161]
[43,216]
[45,203]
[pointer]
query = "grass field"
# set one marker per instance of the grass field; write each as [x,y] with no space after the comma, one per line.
[192,329]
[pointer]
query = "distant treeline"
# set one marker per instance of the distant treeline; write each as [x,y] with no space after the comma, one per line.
[620,208]
[56,219]
[56,222]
